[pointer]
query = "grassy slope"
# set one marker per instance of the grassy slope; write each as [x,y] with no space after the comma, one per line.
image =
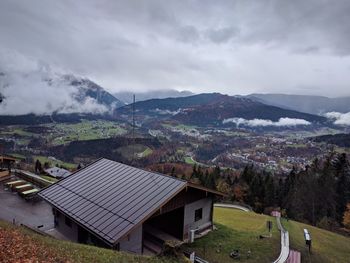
[238,230]
[44,159]
[326,246]
[19,244]
[139,150]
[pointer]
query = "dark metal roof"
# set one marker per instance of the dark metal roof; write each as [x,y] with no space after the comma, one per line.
[110,199]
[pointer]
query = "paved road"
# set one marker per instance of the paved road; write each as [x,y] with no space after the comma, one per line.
[284,243]
[239,207]
[13,206]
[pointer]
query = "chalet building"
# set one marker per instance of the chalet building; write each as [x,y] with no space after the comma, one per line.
[114,205]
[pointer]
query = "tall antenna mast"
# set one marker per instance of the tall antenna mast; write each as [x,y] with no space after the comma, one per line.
[133,129]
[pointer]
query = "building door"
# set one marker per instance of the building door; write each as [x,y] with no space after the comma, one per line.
[83,235]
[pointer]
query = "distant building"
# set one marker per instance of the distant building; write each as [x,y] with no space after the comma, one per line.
[58,172]
[6,162]
[114,205]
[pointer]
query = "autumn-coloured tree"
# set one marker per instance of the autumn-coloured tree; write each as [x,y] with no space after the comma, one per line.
[346,218]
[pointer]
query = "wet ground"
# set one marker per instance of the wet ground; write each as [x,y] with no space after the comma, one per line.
[33,214]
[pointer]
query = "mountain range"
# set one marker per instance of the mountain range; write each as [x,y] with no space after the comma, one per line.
[45,94]
[127,97]
[309,104]
[215,109]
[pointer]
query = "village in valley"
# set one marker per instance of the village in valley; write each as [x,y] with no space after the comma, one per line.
[41,157]
[174,131]
[230,148]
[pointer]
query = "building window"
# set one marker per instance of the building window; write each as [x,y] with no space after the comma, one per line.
[68,222]
[198,214]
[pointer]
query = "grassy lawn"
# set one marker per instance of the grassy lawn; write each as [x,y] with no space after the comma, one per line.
[13,130]
[138,150]
[238,230]
[297,145]
[21,245]
[17,155]
[189,160]
[326,246]
[145,153]
[44,159]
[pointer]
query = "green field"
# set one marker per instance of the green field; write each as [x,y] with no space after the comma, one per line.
[134,151]
[326,246]
[62,133]
[17,155]
[145,153]
[297,145]
[85,130]
[189,160]
[238,230]
[14,130]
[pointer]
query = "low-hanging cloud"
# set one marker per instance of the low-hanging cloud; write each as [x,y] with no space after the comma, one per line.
[339,118]
[30,86]
[265,123]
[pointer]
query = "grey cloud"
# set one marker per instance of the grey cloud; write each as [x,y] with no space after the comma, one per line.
[30,86]
[228,46]
[339,118]
[222,35]
[308,50]
[188,34]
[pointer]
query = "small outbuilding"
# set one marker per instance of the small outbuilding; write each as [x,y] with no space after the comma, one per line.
[6,162]
[57,172]
[114,205]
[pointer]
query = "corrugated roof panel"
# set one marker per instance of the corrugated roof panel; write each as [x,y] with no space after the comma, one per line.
[111,198]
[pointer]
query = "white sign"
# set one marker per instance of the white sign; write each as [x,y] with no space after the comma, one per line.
[192,256]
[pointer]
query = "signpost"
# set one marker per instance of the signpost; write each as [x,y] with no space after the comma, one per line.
[307,237]
[192,257]
[269,225]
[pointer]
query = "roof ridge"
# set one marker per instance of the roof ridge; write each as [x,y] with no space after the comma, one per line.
[158,173]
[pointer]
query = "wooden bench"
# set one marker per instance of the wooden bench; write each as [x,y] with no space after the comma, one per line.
[29,193]
[13,184]
[24,187]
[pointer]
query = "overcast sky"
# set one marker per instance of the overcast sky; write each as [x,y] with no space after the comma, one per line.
[233,47]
